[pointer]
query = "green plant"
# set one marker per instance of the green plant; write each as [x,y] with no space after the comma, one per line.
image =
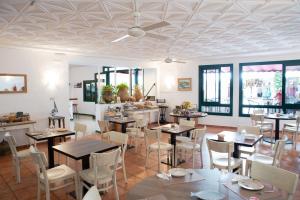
[107,88]
[122,86]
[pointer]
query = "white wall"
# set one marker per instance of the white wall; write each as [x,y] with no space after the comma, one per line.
[79,74]
[168,74]
[47,76]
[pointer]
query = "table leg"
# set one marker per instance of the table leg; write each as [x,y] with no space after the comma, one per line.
[277,123]
[123,128]
[85,164]
[49,122]
[236,152]
[63,121]
[59,125]
[188,118]
[173,142]
[50,152]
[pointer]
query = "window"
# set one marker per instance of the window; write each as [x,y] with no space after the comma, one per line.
[271,86]
[215,91]
[137,78]
[90,91]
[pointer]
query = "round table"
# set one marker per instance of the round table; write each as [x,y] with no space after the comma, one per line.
[189,116]
[277,125]
[159,189]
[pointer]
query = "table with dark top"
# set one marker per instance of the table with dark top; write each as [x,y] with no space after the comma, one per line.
[277,125]
[158,189]
[122,121]
[238,140]
[50,137]
[81,149]
[173,132]
[189,116]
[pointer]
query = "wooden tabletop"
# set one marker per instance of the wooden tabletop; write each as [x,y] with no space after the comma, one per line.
[17,123]
[44,135]
[159,189]
[178,129]
[82,148]
[238,138]
[124,120]
[281,117]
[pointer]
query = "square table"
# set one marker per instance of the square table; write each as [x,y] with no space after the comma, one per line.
[49,136]
[81,149]
[238,140]
[123,121]
[173,132]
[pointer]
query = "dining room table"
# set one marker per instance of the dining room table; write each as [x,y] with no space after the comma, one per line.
[239,139]
[81,149]
[173,130]
[188,116]
[278,117]
[50,136]
[123,121]
[208,181]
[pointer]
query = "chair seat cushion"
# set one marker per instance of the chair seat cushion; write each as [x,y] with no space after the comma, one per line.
[163,146]
[23,153]
[60,172]
[183,139]
[223,162]
[268,160]
[104,175]
[188,146]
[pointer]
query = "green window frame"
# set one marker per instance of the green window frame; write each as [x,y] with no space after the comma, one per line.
[90,91]
[216,106]
[284,107]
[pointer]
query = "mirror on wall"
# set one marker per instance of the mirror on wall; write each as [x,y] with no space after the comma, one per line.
[13,83]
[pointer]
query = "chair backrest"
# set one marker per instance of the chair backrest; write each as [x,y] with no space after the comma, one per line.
[92,194]
[152,136]
[40,161]
[119,138]
[79,128]
[255,118]
[280,178]
[184,122]
[12,143]
[104,126]
[141,123]
[258,112]
[198,135]
[249,129]
[278,150]
[220,147]
[106,160]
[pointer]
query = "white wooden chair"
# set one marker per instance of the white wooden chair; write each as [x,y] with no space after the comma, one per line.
[136,133]
[193,146]
[258,120]
[220,156]
[153,144]
[274,160]
[249,130]
[184,122]
[54,178]
[282,179]
[17,156]
[92,194]
[293,129]
[121,139]
[102,172]
[80,129]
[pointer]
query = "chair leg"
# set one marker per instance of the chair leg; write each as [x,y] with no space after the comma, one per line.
[116,188]
[147,157]
[80,188]
[47,190]
[158,163]
[18,173]
[193,155]
[124,171]
[76,187]
[38,190]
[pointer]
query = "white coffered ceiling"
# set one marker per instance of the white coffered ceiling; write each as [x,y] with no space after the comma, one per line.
[199,28]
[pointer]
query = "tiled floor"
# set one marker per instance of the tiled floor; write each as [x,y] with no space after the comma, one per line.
[136,171]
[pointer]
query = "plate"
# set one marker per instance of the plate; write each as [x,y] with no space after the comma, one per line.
[61,130]
[177,172]
[250,184]
[208,195]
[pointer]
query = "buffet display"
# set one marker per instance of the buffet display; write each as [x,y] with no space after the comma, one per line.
[13,118]
[186,108]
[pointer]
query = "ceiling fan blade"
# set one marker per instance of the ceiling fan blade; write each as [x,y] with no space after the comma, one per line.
[159,37]
[155,26]
[177,61]
[121,38]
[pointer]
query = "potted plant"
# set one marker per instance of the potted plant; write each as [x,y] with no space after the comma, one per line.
[137,93]
[122,91]
[107,93]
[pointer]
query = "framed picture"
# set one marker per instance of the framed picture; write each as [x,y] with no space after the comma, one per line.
[13,83]
[184,84]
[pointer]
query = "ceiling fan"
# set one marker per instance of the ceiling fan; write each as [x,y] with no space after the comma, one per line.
[137,31]
[171,60]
